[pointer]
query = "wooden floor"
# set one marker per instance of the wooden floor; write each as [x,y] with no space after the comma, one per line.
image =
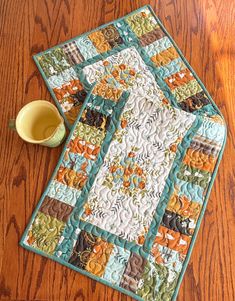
[204,30]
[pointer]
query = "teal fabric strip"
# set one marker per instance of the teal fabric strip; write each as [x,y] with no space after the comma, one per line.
[158,46]
[173,67]
[83,43]
[116,265]
[112,238]
[193,192]
[63,193]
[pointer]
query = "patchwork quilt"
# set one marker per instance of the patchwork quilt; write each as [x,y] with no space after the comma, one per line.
[127,196]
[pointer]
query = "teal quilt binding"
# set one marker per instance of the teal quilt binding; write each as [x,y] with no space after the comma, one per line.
[127,196]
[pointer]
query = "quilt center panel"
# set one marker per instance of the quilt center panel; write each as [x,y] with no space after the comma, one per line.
[130,182]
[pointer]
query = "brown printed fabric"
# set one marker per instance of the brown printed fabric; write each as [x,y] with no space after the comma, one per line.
[57,209]
[152,36]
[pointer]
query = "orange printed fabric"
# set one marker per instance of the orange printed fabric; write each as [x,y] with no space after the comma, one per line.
[184,207]
[180,78]
[107,92]
[165,57]
[71,178]
[173,240]
[72,114]
[68,89]
[88,150]
[99,258]
[199,160]
[99,41]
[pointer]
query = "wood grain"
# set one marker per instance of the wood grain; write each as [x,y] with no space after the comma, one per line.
[204,30]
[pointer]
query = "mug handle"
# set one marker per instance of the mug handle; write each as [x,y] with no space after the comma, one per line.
[12,124]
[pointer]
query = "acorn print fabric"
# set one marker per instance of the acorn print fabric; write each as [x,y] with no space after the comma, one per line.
[125,202]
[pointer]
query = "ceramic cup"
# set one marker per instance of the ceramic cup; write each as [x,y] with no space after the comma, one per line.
[40,122]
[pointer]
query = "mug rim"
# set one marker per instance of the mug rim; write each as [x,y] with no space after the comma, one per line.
[48,103]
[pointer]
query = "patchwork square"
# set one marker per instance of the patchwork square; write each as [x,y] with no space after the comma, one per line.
[152,36]
[153,280]
[71,96]
[112,36]
[116,265]
[82,250]
[85,149]
[56,209]
[68,89]
[79,97]
[99,258]
[193,175]
[178,223]
[173,240]
[53,62]
[195,102]
[181,205]
[45,232]
[126,198]
[72,52]
[96,119]
[133,272]
[86,47]
[99,41]
[142,23]
[165,57]
[63,78]
[63,193]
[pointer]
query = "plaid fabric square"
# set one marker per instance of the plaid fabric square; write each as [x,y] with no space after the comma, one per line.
[73,53]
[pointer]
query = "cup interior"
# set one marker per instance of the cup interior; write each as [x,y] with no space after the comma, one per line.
[37,121]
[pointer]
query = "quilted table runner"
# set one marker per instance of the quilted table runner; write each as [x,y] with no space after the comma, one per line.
[127,196]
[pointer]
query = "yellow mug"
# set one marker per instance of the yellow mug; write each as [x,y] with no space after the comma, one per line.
[40,122]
